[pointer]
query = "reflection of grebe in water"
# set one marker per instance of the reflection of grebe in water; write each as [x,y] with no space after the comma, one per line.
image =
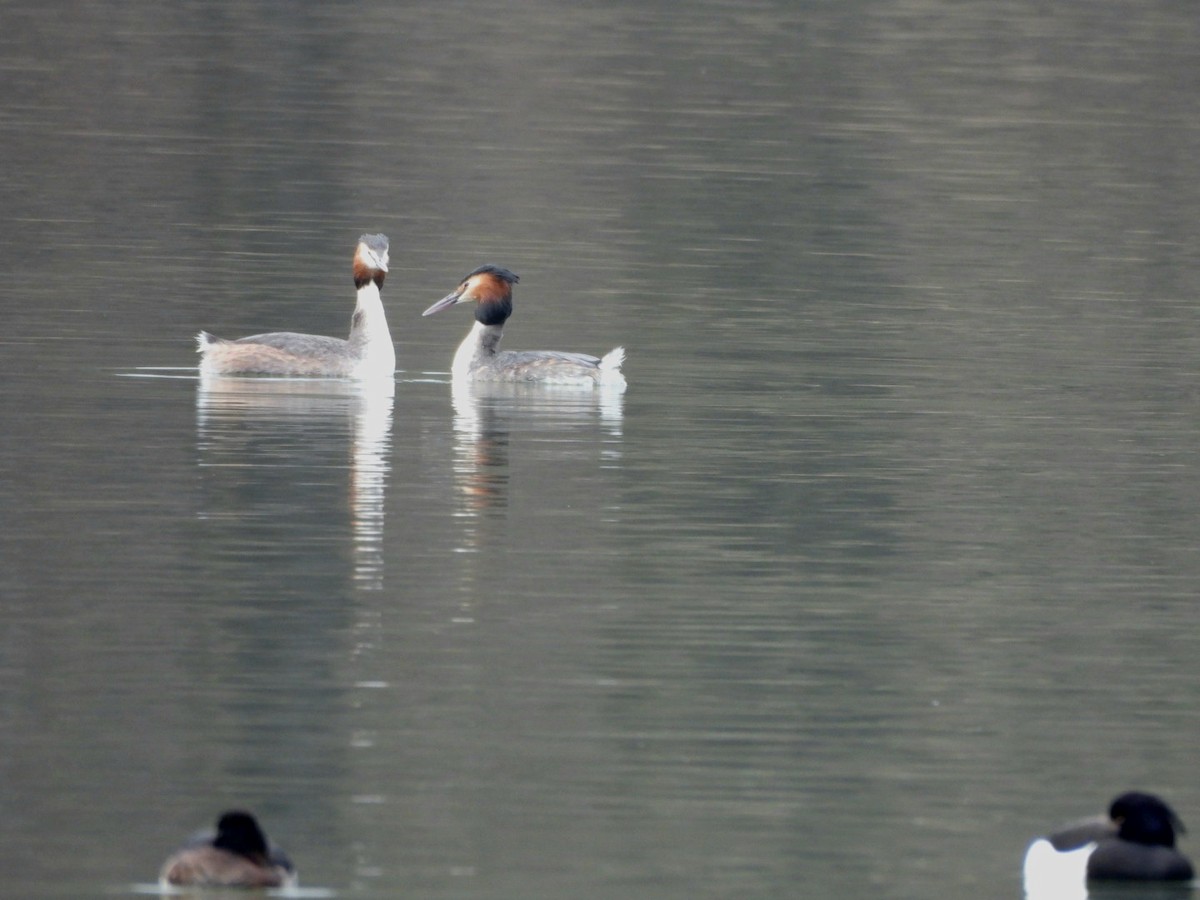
[484,418]
[478,359]
[481,438]
[277,424]
[367,353]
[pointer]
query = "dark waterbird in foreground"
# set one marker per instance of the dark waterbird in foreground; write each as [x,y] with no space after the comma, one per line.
[1134,842]
[237,855]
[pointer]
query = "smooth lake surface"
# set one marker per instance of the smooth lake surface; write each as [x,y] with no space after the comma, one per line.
[885,563]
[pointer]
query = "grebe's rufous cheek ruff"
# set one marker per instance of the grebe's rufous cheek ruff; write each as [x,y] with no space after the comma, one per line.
[368,353]
[1135,842]
[480,359]
[237,856]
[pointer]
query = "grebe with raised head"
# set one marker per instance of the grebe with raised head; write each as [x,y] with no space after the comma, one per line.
[237,856]
[478,359]
[367,353]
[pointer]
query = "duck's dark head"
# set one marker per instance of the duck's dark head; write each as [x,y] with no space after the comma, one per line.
[371,260]
[238,832]
[490,287]
[1145,819]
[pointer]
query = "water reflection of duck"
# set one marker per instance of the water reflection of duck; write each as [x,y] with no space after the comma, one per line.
[367,353]
[478,359]
[237,856]
[1136,842]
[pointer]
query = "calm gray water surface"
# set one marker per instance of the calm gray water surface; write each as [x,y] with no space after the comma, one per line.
[885,562]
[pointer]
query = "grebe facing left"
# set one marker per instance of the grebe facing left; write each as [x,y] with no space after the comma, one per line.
[478,359]
[367,353]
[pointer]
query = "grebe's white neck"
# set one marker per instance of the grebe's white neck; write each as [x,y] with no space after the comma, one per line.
[477,350]
[369,335]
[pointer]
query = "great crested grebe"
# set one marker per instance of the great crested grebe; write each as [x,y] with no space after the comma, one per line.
[478,359]
[367,353]
[1136,842]
[238,856]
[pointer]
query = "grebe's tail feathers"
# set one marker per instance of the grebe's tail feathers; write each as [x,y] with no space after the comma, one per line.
[204,340]
[610,367]
[613,359]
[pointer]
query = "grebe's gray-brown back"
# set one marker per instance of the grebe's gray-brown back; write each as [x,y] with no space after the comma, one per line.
[367,353]
[479,359]
[237,856]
